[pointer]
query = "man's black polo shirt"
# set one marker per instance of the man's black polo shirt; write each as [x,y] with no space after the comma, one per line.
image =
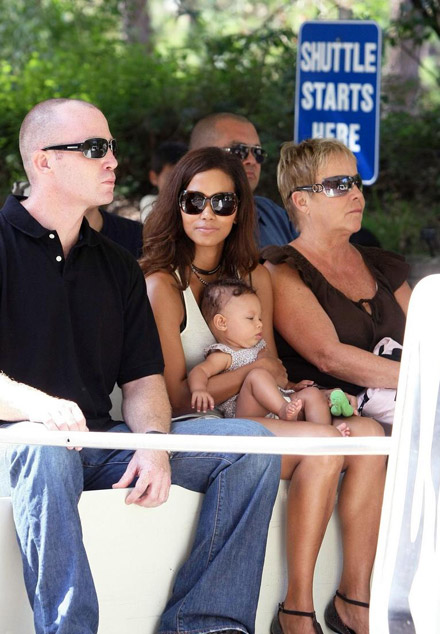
[73,327]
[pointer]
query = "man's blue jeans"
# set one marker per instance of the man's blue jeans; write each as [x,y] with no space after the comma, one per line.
[217,587]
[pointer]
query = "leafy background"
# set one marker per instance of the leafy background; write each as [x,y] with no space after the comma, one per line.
[156,67]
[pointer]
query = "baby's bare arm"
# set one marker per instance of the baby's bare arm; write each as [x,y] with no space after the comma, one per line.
[199,376]
[215,363]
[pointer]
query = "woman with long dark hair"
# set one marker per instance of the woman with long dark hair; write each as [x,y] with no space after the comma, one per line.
[203,228]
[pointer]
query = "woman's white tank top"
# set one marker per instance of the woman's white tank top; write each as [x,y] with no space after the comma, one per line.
[196,335]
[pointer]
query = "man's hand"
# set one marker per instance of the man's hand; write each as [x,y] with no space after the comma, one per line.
[57,414]
[353,402]
[19,401]
[153,472]
[201,401]
[301,385]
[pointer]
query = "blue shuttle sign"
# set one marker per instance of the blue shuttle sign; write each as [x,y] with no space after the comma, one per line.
[338,87]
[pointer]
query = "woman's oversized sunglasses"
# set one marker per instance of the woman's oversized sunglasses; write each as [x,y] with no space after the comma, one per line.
[91,148]
[222,204]
[333,186]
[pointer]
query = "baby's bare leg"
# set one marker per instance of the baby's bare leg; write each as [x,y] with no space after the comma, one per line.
[316,407]
[260,395]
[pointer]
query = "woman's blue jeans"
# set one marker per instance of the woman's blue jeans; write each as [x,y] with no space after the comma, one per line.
[217,587]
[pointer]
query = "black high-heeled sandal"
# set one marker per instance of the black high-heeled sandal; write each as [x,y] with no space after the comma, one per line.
[332,618]
[276,628]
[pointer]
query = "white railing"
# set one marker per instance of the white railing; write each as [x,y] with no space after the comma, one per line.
[181,442]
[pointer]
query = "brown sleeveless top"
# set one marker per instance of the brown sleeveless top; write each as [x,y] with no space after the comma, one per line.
[354,325]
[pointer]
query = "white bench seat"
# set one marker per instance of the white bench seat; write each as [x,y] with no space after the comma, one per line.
[134,554]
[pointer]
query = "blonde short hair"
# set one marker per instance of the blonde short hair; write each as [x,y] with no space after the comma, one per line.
[300,163]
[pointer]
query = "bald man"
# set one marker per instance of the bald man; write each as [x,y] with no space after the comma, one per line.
[236,134]
[75,320]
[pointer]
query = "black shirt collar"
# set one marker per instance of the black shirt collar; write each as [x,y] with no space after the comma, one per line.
[19,217]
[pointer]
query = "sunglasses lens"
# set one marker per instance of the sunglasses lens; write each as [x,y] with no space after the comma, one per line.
[242,151]
[224,204]
[192,202]
[95,148]
[259,154]
[357,180]
[113,146]
[340,185]
[336,186]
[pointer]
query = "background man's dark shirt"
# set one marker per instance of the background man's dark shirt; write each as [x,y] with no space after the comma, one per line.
[126,232]
[274,225]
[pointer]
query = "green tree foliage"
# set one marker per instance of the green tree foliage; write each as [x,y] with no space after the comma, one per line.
[217,55]
[50,48]
[147,98]
[419,19]
[404,199]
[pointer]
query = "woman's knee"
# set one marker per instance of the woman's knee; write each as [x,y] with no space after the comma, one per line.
[363,426]
[329,464]
[314,468]
[330,431]
[311,393]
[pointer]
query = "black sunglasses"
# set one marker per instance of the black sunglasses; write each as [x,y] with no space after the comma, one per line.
[91,148]
[222,204]
[242,151]
[333,186]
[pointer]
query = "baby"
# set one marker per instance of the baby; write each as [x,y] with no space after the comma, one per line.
[232,310]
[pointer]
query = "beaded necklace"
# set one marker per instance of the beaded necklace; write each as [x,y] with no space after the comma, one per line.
[193,269]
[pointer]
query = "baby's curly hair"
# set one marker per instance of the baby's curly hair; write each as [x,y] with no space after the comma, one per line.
[217,294]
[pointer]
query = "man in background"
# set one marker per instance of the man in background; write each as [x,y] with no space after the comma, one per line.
[163,160]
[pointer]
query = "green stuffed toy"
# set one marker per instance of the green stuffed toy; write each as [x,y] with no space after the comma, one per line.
[339,404]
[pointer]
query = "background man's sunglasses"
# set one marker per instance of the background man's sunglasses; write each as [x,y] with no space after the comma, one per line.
[91,148]
[242,151]
[333,186]
[222,204]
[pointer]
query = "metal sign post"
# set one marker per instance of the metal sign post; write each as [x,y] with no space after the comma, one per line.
[338,87]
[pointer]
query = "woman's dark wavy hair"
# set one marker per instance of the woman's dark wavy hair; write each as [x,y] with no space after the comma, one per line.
[166,247]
